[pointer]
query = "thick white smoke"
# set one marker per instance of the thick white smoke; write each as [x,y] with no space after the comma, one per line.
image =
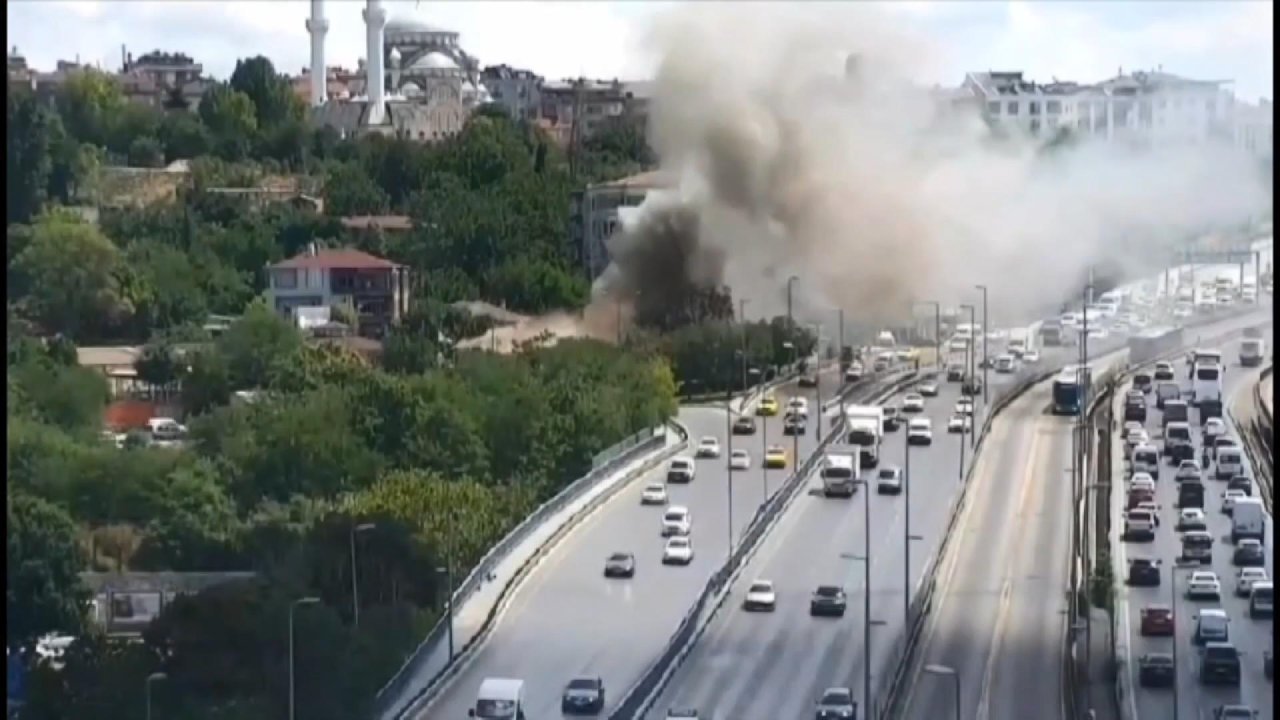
[874,191]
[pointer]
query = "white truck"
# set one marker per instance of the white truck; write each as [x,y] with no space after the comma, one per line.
[1252,351]
[839,475]
[865,428]
[499,699]
[1020,341]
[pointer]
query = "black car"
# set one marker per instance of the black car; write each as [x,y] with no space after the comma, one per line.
[971,386]
[1142,382]
[583,696]
[1249,554]
[955,373]
[620,564]
[793,425]
[1135,412]
[1156,670]
[1144,572]
[744,425]
[1241,482]
[836,704]
[892,418]
[1191,495]
[1220,663]
[827,600]
[807,381]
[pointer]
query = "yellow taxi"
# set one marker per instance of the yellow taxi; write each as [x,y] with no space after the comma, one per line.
[775,457]
[768,406]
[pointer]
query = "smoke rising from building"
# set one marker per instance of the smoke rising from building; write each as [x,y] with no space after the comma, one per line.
[796,158]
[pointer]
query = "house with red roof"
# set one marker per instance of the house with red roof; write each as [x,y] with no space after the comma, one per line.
[375,288]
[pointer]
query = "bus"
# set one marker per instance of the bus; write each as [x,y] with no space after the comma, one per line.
[1068,390]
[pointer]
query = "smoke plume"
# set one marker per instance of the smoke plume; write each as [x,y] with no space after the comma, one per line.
[796,145]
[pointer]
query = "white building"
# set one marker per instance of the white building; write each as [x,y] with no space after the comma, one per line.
[1254,128]
[594,215]
[1146,108]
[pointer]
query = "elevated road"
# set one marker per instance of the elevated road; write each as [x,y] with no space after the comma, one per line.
[1251,636]
[567,619]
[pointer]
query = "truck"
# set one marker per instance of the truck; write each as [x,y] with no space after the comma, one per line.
[865,429]
[1248,520]
[499,699]
[839,475]
[1019,342]
[1252,351]
[1053,334]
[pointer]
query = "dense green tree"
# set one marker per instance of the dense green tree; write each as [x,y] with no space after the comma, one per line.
[43,589]
[159,365]
[146,152]
[184,136]
[27,154]
[69,397]
[231,118]
[273,100]
[91,104]
[350,191]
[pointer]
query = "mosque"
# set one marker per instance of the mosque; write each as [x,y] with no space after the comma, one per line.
[419,83]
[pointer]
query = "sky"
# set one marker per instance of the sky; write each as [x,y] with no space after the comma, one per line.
[1080,41]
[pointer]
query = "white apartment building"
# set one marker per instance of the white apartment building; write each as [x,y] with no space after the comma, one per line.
[1147,108]
[1254,128]
[594,215]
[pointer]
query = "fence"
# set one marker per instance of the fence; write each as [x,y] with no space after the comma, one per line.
[605,464]
[646,691]
[1259,441]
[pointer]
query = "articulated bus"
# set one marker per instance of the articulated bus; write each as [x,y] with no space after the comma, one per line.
[1068,389]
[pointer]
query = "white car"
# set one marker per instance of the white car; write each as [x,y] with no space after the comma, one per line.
[679,551]
[1142,481]
[912,402]
[964,407]
[959,345]
[1030,356]
[739,460]
[1131,425]
[1192,519]
[1229,499]
[959,423]
[853,373]
[889,480]
[1246,577]
[654,494]
[1213,427]
[929,388]
[1136,437]
[1098,333]
[798,406]
[676,521]
[760,596]
[920,431]
[1187,470]
[680,470]
[708,447]
[1204,585]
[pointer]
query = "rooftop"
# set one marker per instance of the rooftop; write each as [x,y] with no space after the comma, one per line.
[373,222]
[646,181]
[336,259]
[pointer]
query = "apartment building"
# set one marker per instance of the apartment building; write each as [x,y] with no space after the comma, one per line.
[593,102]
[596,213]
[519,91]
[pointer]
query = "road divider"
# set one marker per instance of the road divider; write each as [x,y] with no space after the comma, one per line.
[518,553]
[1257,430]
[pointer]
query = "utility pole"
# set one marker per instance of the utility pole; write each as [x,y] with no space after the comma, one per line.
[742,320]
[986,366]
[574,129]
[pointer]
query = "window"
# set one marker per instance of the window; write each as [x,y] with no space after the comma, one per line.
[993,107]
[1053,107]
[1034,108]
[1035,126]
[284,279]
[1013,108]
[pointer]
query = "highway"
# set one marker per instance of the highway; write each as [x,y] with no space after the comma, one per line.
[1252,637]
[774,665]
[566,619]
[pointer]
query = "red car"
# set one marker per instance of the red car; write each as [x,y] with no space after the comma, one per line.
[1157,620]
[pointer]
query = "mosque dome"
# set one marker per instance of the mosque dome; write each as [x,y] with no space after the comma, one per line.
[434,61]
[409,25]
[410,89]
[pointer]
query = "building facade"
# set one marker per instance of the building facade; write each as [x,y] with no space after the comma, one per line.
[1255,129]
[594,103]
[376,290]
[596,213]
[519,91]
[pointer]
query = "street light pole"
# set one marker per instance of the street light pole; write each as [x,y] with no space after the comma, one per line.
[742,320]
[866,598]
[906,530]
[955,677]
[292,607]
[728,428]
[966,388]
[355,584]
[985,365]
[840,363]
[153,677]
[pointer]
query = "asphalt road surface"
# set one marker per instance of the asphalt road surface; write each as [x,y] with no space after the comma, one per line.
[567,619]
[1252,637]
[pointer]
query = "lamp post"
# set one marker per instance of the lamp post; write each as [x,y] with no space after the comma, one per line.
[447,572]
[795,438]
[866,594]
[355,584]
[985,330]
[728,429]
[742,320]
[955,677]
[966,388]
[292,607]
[840,364]
[817,383]
[907,537]
[153,677]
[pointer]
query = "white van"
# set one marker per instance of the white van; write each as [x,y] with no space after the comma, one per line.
[163,428]
[1252,351]
[1262,602]
[1248,520]
[499,699]
[1146,459]
[1206,383]
[1230,463]
[839,473]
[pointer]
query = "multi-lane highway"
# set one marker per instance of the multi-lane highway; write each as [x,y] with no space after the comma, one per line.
[568,620]
[1251,636]
[774,665]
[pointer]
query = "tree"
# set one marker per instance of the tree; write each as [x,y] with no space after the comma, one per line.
[146,152]
[27,153]
[230,116]
[70,397]
[68,273]
[158,366]
[90,102]
[183,136]
[44,593]
[254,343]
[350,191]
[272,98]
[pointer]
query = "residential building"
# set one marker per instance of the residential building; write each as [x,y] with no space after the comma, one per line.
[1254,129]
[377,290]
[1149,108]
[595,214]
[519,91]
[594,103]
[162,79]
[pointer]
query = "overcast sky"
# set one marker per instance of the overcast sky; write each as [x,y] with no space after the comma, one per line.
[1085,41]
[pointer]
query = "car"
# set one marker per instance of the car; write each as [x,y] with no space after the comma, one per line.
[964,407]
[1156,670]
[808,380]
[1187,470]
[678,551]
[1249,553]
[1031,356]
[1157,620]
[1005,364]
[768,406]
[1143,572]
[744,425]
[928,388]
[1203,585]
[959,423]
[682,714]
[739,459]
[920,431]
[1246,577]
[853,373]
[760,597]
[1234,712]
[971,386]
[1192,519]
[1142,480]
[1241,483]
[1182,311]
[912,403]
[1229,499]
[892,419]
[889,480]
[1130,426]
[793,425]
[708,447]
[583,696]
[1220,663]
[1136,437]
[827,600]
[1098,333]
[1220,442]
[676,521]
[955,372]
[836,704]
[798,406]
[775,457]
[1163,372]
[680,470]
[620,565]
[1213,428]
